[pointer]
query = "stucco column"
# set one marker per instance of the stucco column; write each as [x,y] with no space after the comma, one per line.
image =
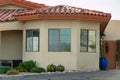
[0,45]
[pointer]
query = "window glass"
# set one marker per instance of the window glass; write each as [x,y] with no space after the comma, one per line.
[88,41]
[59,40]
[32,40]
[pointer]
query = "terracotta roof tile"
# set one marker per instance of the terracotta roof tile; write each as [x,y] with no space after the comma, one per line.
[63,9]
[23,3]
[7,14]
[10,14]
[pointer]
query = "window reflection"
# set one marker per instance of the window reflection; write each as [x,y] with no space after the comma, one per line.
[59,40]
[88,41]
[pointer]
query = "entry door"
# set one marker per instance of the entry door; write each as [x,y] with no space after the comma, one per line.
[111,51]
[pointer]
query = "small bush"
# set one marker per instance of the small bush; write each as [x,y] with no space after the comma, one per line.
[4,69]
[21,69]
[51,68]
[60,68]
[12,72]
[28,65]
[37,70]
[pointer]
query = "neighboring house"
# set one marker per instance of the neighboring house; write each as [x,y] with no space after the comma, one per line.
[112,31]
[112,34]
[51,34]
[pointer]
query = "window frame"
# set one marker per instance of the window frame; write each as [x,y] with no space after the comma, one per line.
[32,40]
[58,40]
[87,47]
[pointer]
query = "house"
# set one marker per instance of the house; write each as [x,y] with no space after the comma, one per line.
[112,34]
[51,34]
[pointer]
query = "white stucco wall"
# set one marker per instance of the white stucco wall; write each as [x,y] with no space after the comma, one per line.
[73,60]
[112,31]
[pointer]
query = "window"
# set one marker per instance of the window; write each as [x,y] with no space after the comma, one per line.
[88,41]
[59,40]
[32,40]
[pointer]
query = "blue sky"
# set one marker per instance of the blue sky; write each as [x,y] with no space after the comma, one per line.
[109,6]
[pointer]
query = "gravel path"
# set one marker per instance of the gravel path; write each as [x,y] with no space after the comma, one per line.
[100,75]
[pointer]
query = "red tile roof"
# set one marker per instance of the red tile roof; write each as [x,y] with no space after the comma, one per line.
[62,9]
[22,3]
[41,11]
[7,14]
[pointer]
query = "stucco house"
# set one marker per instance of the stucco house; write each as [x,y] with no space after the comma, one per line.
[51,34]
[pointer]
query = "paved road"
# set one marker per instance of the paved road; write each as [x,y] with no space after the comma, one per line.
[100,75]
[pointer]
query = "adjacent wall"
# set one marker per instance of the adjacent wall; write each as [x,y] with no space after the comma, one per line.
[11,45]
[112,31]
[73,60]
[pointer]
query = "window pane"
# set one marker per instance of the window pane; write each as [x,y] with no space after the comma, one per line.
[32,40]
[28,33]
[83,40]
[29,44]
[35,44]
[92,41]
[35,33]
[58,40]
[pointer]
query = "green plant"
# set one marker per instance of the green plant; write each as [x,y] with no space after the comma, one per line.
[4,69]
[12,72]
[60,68]
[21,69]
[37,70]
[51,68]
[28,65]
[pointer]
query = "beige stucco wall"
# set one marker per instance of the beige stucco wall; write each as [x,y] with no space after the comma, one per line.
[12,25]
[11,7]
[112,31]
[73,60]
[11,45]
[89,61]
[8,38]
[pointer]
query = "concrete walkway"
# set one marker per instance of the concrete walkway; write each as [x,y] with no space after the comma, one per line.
[100,75]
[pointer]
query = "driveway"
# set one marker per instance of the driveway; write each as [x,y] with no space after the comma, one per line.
[99,75]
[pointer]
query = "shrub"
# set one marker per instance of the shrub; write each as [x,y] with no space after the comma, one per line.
[21,69]
[28,65]
[37,70]
[60,68]
[51,68]
[4,69]
[12,72]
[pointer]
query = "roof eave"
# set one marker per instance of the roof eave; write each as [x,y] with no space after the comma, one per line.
[63,16]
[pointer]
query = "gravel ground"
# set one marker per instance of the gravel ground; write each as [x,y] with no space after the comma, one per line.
[99,75]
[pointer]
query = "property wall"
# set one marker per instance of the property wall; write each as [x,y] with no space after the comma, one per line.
[71,60]
[11,7]
[11,45]
[112,31]
[89,61]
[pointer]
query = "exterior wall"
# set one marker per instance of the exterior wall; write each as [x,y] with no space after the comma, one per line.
[89,61]
[11,7]
[11,45]
[13,25]
[112,31]
[0,45]
[73,60]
